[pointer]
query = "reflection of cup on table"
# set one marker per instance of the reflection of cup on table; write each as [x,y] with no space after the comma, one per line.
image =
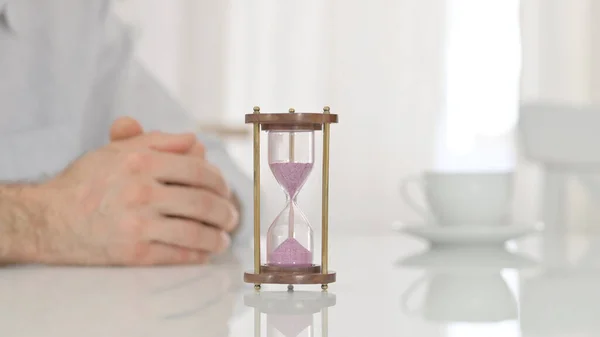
[463,297]
[462,199]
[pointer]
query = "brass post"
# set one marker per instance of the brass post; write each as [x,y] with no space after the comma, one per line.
[292,140]
[292,148]
[325,199]
[257,196]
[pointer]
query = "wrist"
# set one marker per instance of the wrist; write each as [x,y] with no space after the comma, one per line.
[22,219]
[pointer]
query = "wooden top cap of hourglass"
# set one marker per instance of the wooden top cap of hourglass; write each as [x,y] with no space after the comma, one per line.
[292,120]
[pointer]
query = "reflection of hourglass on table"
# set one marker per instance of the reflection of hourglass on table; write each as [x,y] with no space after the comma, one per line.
[290,314]
[290,236]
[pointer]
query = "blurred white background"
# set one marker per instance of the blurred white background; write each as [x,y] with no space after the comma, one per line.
[417,84]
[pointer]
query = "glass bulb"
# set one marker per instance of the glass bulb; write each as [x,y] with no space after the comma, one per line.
[290,237]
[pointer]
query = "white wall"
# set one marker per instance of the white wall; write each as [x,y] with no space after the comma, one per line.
[183,42]
[377,65]
[384,66]
[557,63]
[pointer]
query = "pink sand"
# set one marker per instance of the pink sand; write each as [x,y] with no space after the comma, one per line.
[290,253]
[291,176]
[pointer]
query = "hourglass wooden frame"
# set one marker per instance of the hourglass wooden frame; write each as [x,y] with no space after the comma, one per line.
[291,121]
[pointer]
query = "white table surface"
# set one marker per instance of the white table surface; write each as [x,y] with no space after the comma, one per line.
[542,287]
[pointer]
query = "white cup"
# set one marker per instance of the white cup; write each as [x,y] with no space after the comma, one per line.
[462,199]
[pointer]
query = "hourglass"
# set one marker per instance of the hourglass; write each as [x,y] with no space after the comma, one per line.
[291,144]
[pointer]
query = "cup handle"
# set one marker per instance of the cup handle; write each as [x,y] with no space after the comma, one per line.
[406,296]
[408,199]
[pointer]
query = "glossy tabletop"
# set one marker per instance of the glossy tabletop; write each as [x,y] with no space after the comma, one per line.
[389,284]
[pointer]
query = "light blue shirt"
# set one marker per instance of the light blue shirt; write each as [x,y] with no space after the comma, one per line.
[66,72]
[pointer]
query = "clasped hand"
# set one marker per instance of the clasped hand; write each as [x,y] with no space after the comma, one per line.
[144,199]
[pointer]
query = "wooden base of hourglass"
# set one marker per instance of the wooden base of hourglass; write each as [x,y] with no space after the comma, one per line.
[290,275]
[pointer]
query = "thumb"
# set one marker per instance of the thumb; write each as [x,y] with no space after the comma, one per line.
[124,128]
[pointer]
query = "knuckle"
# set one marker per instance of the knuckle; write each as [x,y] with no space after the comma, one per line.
[181,255]
[138,194]
[227,220]
[209,239]
[235,220]
[222,185]
[139,255]
[197,236]
[132,226]
[217,243]
[198,168]
[200,257]
[190,256]
[136,162]
[221,241]
[191,232]
[220,178]
[131,221]
[229,216]
[220,213]
[206,201]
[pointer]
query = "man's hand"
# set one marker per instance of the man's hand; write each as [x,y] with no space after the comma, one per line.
[126,128]
[144,199]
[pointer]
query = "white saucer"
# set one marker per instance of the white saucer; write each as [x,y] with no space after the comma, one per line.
[467,258]
[467,235]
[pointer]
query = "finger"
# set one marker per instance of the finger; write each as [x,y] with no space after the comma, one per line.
[124,128]
[189,171]
[196,204]
[187,234]
[164,142]
[176,143]
[156,253]
[198,151]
